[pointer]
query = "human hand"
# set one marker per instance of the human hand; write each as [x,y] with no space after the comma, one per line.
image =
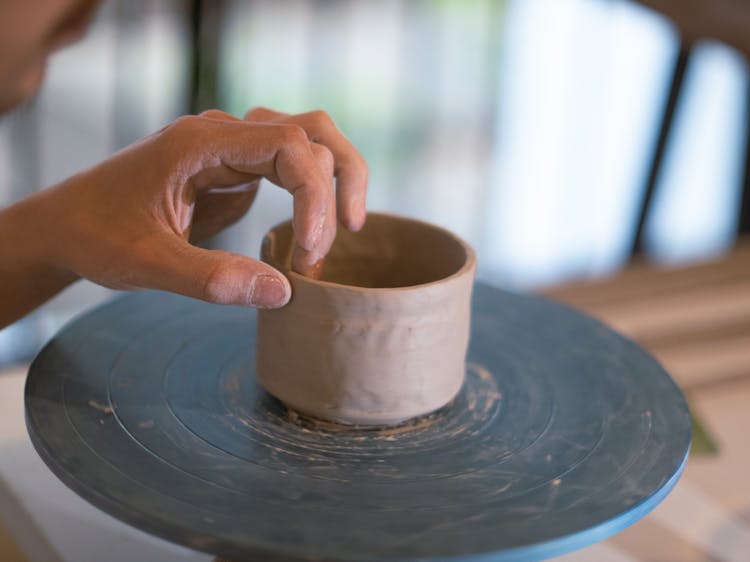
[127,222]
[347,166]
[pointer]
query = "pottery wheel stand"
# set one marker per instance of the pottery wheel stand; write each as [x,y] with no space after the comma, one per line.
[563,434]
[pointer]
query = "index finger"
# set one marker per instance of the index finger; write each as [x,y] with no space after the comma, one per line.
[350,168]
[280,152]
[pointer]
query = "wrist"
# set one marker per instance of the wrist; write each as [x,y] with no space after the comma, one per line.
[31,240]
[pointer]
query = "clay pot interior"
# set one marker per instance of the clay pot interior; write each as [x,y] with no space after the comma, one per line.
[386,253]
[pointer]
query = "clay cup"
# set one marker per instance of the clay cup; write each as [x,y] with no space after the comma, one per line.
[382,336]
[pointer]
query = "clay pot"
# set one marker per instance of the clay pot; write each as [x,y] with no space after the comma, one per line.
[382,336]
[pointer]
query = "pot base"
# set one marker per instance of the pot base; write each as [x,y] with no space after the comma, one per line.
[313,423]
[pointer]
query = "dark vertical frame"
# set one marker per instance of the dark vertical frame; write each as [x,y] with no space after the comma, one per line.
[205,23]
[657,159]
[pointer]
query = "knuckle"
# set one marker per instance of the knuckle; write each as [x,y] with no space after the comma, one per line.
[181,129]
[255,111]
[320,118]
[213,113]
[323,153]
[175,143]
[188,122]
[293,135]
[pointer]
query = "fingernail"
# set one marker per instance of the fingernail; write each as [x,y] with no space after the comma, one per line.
[268,292]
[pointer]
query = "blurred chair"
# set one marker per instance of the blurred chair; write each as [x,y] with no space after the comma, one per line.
[727,21]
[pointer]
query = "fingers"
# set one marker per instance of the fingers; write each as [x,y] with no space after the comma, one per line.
[215,276]
[350,167]
[302,153]
[280,152]
[314,217]
[308,263]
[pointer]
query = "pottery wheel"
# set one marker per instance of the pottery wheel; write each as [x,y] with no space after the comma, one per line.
[563,434]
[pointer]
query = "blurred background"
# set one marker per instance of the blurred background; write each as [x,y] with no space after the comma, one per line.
[594,151]
[529,127]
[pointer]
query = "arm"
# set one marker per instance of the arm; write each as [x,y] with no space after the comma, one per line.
[27,278]
[127,223]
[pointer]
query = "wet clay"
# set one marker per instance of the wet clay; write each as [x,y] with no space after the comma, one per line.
[381,337]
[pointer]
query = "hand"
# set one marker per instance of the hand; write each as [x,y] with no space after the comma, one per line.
[127,222]
[343,161]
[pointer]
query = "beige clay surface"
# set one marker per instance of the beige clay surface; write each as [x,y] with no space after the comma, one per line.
[382,336]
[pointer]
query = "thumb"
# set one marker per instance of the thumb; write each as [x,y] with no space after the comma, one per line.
[219,277]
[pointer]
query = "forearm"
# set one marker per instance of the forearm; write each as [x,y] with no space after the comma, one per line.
[28,277]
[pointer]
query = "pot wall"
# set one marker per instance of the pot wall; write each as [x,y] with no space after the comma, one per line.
[369,355]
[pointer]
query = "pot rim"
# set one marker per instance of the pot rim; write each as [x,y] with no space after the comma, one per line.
[467,268]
